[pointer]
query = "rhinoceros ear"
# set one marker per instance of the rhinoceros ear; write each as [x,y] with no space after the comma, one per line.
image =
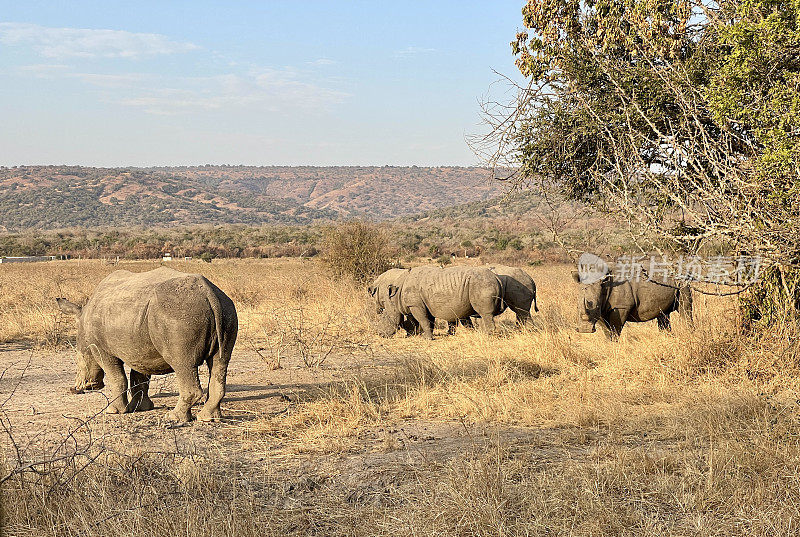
[576,276]
[393,290]
[68,307]
[372,290]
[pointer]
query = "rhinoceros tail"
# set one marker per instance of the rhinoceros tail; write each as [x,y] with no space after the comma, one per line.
[219,320]
[501,303]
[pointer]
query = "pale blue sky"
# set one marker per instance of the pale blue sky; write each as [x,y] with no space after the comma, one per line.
[142,83]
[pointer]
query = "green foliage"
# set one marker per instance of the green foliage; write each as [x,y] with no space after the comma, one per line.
[679,116]
[598,67]
[756,85]
[516,244]
[206,256]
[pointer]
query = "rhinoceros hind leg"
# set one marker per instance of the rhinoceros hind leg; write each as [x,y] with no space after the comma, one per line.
[487,323]
[523,317]
[663,321]
[140,400]
[189,392]
[217,373]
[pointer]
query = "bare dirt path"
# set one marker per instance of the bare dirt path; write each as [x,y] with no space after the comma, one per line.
[46,419]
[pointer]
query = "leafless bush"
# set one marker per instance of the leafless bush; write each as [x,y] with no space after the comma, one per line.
[356,249]
[312,333]
[27,462]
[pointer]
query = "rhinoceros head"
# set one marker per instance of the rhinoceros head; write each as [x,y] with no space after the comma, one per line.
[89,374]
[374,292]
[390,317]
[591,299]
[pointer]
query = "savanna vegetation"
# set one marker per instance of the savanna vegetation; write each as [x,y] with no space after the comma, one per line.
[678,118]
[519,230]
[534,431]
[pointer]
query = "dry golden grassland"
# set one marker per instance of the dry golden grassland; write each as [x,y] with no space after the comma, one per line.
[694,432]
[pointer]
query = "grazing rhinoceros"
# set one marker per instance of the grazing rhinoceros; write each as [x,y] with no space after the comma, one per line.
[428,293]
[616,302]
[519,291]
[156,322]
[378,291]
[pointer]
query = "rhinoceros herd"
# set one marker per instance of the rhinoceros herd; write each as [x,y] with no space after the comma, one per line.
[165,321]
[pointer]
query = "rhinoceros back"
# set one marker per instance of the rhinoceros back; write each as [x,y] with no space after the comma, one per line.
[519,289]
[141,317]
[452,293]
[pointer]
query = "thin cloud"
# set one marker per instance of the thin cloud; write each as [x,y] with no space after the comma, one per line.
[45,70]
[243,87]
[266,90]
[89,43]
[323,62]
[411,51]
[110,81]
[51,71]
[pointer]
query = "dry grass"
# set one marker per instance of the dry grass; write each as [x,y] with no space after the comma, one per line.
[264,291]
[690,433]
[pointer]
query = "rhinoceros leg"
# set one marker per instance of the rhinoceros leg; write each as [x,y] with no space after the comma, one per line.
[217,373]
[487,322]
[140,400]
[189,391]
[486,313]
[466,322]
[410,325]
[425,322]
[117,383]
[523,317]
[615,321]
[663,321]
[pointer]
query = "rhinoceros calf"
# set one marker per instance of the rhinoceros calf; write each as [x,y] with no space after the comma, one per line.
[450,294]
[156,322]
[615,302]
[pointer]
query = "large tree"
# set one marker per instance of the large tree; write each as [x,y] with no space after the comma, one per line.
[681,116]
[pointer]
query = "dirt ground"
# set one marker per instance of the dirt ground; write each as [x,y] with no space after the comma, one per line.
[45,419]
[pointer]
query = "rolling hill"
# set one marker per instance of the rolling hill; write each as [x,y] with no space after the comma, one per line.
[53,197]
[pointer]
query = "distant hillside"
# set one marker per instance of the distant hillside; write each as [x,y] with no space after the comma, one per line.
[516,204]
[51,197]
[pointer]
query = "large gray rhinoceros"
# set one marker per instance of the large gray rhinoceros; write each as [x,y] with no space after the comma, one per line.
[156,322]
[379,292]
[519,291]
[616,302]
[450,294]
